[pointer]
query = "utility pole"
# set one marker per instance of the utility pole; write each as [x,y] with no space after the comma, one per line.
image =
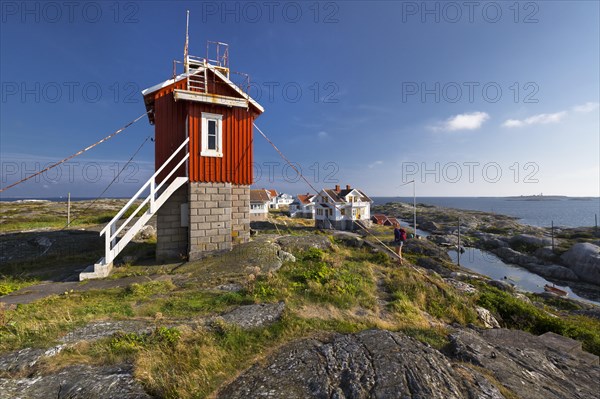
[69,209]
[415,207]
[552,232]
[458,246]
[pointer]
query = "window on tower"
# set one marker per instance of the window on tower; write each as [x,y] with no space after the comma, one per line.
[212,135]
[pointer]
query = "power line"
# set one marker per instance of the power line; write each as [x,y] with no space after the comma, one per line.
[110,136]
[109,184]
[317,192]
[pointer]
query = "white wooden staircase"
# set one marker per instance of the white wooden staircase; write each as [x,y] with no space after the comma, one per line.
[158,195]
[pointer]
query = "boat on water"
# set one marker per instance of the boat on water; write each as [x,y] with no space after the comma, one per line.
[554,290]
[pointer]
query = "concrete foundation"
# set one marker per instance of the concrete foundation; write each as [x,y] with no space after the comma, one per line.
[171,227]
[203,218]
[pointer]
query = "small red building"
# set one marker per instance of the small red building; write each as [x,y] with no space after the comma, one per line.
[211,211]
[200,191]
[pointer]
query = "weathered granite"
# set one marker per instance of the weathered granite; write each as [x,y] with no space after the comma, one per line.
[584,259]
[77,382]
[370,364]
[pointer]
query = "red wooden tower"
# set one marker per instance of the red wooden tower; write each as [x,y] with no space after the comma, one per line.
[203,155]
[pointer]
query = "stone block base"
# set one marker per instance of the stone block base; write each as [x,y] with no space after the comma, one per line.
[219,217]
[171,229]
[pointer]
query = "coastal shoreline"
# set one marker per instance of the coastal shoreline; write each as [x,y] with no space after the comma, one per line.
[545,252]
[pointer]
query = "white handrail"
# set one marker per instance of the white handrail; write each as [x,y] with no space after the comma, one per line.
[110,230]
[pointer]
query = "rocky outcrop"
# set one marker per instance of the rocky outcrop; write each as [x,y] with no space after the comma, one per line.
[349,239]
[370,364]
[77,382]
[584,259]
[529,241]
[509,255]
[425,247]
[383,364]
[254,316]
[555,272]
[486,318]
[532,367]
[296,244]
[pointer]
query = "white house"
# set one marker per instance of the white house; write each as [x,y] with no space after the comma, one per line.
[303,206]
[279,199]
[259,204]
[341,209]
[272,198]
[284,199]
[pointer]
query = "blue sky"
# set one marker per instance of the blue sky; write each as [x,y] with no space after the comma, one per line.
[490,101]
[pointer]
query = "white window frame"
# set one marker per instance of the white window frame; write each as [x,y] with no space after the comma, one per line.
[205,152]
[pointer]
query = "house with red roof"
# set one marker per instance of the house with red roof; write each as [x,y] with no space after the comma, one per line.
[342,209]
[379,219]
[303,206]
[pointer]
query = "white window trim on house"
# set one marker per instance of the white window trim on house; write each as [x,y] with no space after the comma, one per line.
[205,152]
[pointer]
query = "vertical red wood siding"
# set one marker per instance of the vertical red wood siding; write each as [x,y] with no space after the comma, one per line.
[235,166]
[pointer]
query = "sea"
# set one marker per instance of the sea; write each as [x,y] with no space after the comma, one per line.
[560,211]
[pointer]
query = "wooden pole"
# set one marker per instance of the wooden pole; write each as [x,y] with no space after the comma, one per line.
[552,232]
[69,209]
[415,207]
[458,246]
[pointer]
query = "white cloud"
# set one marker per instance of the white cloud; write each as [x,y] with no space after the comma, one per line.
[587,107]
[322,135]
[376,163]
[540,119]
[470,121]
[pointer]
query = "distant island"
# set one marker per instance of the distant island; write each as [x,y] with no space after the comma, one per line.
[539,197]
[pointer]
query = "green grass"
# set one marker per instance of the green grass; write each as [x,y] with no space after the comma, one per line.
[336,291]
[30,217]
[411,293]
[10,284]
[515,313]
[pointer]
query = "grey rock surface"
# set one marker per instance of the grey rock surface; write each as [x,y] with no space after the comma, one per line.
[296,244]
[584,259]
[254,316]
[530,240]
[370,364]
[461,286]
[501,285]
[435,265]
[553,271]
[530,366]
[17,361]
[509,255]
[76,382]
[349,239]
[286,256]
[486,317]
[425,247]
[106,328]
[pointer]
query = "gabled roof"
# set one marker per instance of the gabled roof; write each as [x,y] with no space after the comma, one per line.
[380,218]
[216,72]
[340,196]
[392,222]
[272,193]
[305,198]
[259,195]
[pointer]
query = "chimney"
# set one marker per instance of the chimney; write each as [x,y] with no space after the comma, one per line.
[337,188]
[347,187]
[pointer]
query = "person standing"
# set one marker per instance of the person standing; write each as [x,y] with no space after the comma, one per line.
[399,238]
